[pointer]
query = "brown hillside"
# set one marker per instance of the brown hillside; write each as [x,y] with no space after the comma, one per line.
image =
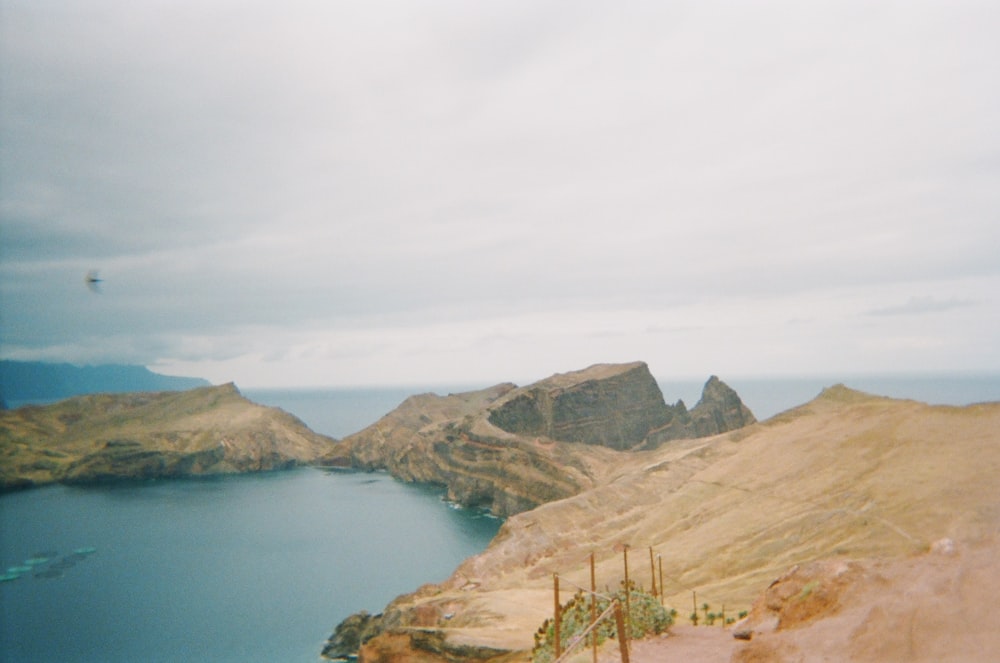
[846,475]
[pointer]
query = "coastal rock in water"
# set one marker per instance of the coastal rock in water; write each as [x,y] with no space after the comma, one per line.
[103,437]
[350,634]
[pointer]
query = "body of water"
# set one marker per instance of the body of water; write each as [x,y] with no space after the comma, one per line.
[246,568]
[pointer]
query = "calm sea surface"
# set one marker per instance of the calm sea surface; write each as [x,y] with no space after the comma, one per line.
[250,568]
[261,568]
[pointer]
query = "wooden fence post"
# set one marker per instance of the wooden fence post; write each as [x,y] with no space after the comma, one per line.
[558,645]
[659,559]
[622,632]
[628,592]
[652,570]
[593,605]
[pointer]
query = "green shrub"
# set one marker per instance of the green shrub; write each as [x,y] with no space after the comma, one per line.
[648,617]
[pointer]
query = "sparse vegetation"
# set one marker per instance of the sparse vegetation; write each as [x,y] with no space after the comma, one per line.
[647,617]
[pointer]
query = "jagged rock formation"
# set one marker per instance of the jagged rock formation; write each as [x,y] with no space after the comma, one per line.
[719,410]
[210,430]
[847,475]
[511,449]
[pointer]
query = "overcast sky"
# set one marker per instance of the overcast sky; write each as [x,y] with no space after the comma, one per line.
[379,192]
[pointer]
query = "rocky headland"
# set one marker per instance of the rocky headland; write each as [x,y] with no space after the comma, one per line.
[510,449]
[849,488]
[102,437]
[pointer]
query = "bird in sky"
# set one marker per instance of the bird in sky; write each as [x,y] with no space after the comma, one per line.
[92,281]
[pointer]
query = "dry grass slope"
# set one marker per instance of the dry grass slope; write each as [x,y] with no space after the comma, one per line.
[848,475]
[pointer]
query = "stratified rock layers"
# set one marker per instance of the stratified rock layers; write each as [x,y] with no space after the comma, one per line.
[613,406]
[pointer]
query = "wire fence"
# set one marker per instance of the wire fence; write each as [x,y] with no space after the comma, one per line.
[617,608]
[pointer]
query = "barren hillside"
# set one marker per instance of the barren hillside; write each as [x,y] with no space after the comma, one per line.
[847,475]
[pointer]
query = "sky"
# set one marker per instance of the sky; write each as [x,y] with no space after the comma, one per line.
[404,192]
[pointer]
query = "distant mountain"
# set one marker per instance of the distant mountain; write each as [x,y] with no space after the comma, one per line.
[38,381]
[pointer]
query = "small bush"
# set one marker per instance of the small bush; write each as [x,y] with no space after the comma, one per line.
[648,617]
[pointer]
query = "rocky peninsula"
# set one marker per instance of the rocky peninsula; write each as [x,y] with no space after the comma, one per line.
[103,437]
[510,449]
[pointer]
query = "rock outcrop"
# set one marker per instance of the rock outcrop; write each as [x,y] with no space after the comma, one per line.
[610,405]
[210,430]
[719,410]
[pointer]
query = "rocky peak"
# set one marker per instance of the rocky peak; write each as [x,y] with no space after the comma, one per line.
[718,410]
[606,404]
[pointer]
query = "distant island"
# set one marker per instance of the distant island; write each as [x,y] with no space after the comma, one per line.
[34,381]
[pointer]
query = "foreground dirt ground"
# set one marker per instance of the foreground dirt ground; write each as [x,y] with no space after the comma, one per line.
[928,608]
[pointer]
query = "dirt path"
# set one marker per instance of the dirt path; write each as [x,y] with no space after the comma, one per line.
[685,643]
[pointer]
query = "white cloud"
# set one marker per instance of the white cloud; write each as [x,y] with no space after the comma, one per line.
[388,191]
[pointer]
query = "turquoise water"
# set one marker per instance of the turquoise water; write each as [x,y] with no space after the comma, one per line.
[250,568]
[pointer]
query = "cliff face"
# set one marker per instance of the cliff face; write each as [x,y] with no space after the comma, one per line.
[613,406]
[211,430]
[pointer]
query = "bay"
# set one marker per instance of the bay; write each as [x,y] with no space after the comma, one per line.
[247,568]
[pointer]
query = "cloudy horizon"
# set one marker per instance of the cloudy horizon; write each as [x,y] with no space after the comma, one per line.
[444,192]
